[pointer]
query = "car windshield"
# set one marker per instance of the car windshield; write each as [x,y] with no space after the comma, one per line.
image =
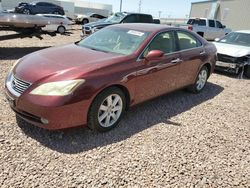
[115,40]
[237,38]
[116,18]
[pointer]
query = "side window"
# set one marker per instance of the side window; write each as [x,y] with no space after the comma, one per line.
[202,22]
[187,41]
[211,23]
[219,25]
[163,42]
[130,19]
[145,19]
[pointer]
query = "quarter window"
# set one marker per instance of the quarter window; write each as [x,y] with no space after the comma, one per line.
[219,25]
[187,41]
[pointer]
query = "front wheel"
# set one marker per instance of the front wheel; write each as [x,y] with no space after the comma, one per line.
[200,82]
[26,11]
[85,21]
[61,29]
[106,110]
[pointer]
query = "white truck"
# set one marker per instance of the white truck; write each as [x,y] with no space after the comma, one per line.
[208,28]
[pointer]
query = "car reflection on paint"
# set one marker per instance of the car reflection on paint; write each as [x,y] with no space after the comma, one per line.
[93,81]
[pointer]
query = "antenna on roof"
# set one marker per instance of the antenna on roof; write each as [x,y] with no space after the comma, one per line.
[139,6]
[120,5]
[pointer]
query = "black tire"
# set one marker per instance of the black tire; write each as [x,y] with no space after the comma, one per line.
[201,34]
[194,88]
[85,21]
[61,29]
[26,11]
[247,71]
[93,114]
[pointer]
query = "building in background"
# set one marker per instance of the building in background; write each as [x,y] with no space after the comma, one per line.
[235,14]
[71,7]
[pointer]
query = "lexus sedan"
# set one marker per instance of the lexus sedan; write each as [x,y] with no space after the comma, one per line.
[94,81]
[234,53]
[39,8]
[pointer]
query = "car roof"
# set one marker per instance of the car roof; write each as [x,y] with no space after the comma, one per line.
[147,27]
[128,13]
[55,15]
[243,31]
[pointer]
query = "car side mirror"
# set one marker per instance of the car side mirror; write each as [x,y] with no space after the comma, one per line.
[216,39]
[154,55]
[223,26]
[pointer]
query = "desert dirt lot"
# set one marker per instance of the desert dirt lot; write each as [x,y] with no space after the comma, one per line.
[177,140]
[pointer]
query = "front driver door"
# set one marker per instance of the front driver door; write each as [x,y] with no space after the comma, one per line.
[158,77]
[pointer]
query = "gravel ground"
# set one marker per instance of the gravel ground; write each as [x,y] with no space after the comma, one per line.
[177,140]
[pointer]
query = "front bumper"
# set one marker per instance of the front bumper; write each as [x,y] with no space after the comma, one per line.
[228,67]
[49,112]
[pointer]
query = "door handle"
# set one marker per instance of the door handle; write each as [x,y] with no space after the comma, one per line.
[202,52]
[178,60]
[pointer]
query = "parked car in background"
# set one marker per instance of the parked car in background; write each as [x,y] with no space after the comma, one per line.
[93,82]
[39,8]
[208,28]
[119,17]
[92,17]
[58,23]
[234,52]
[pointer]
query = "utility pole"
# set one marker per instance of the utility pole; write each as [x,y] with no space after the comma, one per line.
[139,6]
[120,5]
[159,14]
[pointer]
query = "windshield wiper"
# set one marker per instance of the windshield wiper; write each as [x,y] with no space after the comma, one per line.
[95,49]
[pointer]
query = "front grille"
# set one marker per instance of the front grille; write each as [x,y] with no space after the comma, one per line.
[19,85]
[226,58]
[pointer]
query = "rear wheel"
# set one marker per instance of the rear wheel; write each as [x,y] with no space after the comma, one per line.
[106,110]
[200,82]
[201,34]
[247,71]
[26,11]
[61,29]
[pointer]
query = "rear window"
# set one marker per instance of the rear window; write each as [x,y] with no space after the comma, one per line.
[200,22]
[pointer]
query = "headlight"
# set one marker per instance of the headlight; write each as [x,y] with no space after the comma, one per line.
[60,88]
[94,29]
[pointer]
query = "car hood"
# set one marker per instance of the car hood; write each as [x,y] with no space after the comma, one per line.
[98,24]
[232,50]
[60,62]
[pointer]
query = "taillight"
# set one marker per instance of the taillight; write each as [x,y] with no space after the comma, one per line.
[190,27]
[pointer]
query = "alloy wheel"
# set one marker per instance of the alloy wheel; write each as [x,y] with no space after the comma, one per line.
[202,79]
[110,110]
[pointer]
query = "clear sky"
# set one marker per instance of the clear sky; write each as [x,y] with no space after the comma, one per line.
[168,8]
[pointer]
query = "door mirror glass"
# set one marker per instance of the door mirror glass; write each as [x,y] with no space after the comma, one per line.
[154,55]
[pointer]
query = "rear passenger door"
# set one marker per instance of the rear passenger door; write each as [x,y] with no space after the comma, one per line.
[192,55]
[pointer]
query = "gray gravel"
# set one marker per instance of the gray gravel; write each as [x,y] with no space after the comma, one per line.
[177,140]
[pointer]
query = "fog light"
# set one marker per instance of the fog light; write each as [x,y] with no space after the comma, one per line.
[44,121]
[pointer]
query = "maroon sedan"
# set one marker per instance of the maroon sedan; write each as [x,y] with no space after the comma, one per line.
[92,82]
